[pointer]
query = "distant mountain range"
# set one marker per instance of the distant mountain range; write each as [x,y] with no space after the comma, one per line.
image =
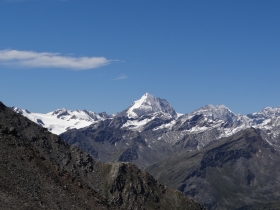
[150,125]
[148,108]
[207,154]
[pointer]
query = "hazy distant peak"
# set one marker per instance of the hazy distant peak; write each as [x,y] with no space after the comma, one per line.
[220,112]
[267,112]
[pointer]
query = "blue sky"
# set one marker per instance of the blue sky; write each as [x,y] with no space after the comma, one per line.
[102,55]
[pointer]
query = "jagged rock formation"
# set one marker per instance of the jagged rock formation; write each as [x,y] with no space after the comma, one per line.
[38,170]
[241,171]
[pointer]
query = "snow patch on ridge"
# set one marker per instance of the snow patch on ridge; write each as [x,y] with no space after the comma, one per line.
[166,126]
[136,125]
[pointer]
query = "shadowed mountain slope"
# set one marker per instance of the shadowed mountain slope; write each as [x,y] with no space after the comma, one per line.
[234,172]
[38,170]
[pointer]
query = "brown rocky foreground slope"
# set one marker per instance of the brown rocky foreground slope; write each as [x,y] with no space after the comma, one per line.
[38,170]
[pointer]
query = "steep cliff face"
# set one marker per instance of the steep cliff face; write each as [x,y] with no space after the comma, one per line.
[38,170]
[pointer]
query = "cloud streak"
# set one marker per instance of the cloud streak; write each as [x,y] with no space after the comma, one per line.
[33,59]
[121,77]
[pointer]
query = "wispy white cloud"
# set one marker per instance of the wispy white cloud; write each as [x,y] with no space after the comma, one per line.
[121,77]
[33,59]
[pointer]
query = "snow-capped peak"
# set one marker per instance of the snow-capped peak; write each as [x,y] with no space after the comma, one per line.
[219,112]
[148,104]
[267,112]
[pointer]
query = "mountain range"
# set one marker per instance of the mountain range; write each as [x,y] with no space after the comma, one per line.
[148,108]
[150,125]
[189,152]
